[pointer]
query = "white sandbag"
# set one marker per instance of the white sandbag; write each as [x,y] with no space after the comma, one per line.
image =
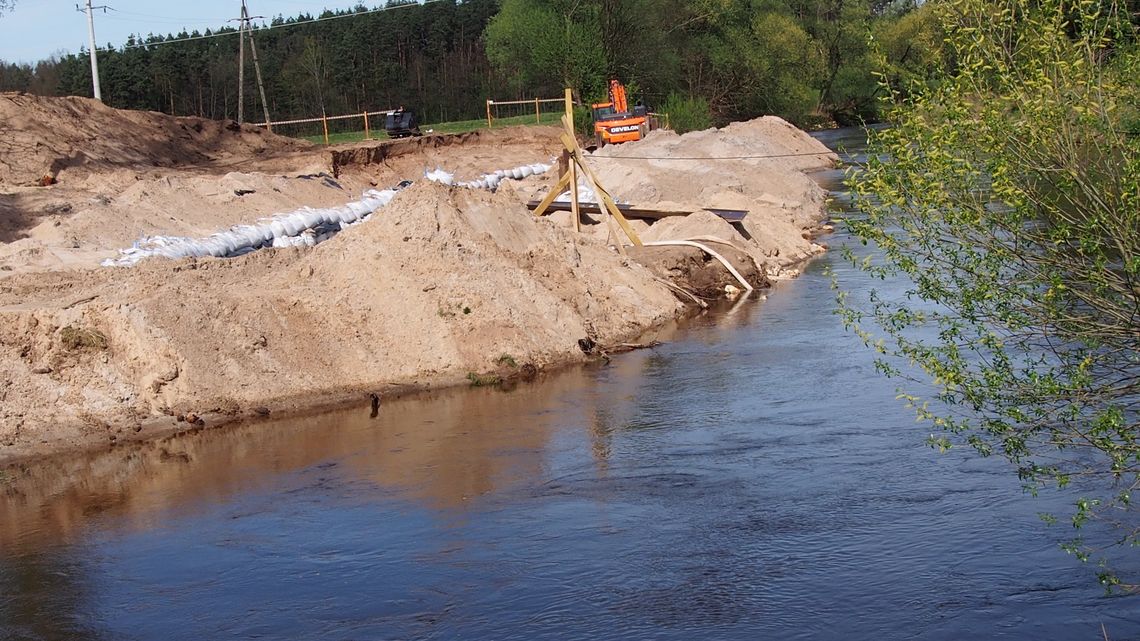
[297,228]
[312,217]
[294,224]
[278,230]
[438,175]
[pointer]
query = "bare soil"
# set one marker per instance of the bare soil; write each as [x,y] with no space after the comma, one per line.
[443,286]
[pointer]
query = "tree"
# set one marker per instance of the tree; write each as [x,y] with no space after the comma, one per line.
[314,62]
[548,45]
[1008,193]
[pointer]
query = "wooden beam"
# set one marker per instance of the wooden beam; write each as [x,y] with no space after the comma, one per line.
[542,206]
[568,121]
[644,213]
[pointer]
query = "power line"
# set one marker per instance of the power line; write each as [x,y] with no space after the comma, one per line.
[279,26]
[164,18]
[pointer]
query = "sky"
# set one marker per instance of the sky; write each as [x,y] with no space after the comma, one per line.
[35,29]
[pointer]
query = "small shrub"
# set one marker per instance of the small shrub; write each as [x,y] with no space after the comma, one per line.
[76,339]
[484,380]
[687,113]
[506,360]
[584,121]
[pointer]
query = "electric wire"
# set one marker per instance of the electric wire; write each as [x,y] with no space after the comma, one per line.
[268,27]
[165,18]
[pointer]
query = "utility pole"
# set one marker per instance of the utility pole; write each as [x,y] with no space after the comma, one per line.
[245,30]
[90,11]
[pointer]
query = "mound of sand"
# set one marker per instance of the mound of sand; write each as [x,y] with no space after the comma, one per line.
[62,138]
[759,166]
[440,283]
[392,301]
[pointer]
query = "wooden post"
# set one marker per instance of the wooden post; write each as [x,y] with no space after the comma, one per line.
[574,212]
[537,114]
[592,180]
[489,113]
[569,179]
[325,122]
[367,133]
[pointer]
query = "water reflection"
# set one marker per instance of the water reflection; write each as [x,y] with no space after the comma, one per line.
[441,448]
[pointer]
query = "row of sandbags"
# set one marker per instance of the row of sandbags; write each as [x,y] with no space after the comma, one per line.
[305,227]
[487,181]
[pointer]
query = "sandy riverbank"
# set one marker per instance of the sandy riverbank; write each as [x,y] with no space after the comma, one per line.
[441,283]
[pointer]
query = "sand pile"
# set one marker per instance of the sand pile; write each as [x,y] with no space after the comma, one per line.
[62,138]
[785,206]
[442,283]
[466,155]
[79,225]
[98,209]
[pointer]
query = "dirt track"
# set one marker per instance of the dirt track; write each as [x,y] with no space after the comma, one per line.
[442,283]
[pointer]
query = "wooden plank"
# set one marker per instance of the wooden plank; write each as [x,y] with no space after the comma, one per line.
[541,206]
[568,121]
[611,206]
[571,144]
[644,213]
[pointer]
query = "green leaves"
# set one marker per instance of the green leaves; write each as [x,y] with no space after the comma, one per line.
[1006,192]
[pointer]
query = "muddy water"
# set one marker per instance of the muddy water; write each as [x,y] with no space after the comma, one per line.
[752,478]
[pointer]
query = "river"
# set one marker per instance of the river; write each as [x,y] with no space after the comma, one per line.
[751,478]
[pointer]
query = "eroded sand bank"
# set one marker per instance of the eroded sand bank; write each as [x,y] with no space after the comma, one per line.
[441,283]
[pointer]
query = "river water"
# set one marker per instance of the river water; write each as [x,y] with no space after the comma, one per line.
[751,478]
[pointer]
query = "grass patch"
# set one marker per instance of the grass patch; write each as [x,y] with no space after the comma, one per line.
[484,380]
[454,127]
[506,360]
[76,339]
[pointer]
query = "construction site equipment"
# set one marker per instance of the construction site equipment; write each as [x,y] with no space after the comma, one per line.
[401,124]
[615,122]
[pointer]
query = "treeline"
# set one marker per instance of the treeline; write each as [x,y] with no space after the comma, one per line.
[429,57]
[810,61]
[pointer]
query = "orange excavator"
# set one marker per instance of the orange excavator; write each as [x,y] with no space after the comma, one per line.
[615,122]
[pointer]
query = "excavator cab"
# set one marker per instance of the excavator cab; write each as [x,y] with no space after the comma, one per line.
[615,122]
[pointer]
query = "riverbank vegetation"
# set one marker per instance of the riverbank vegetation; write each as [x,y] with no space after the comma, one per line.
[1008,192]
[809,61]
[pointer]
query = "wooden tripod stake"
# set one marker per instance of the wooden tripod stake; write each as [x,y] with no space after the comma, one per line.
[569,178]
